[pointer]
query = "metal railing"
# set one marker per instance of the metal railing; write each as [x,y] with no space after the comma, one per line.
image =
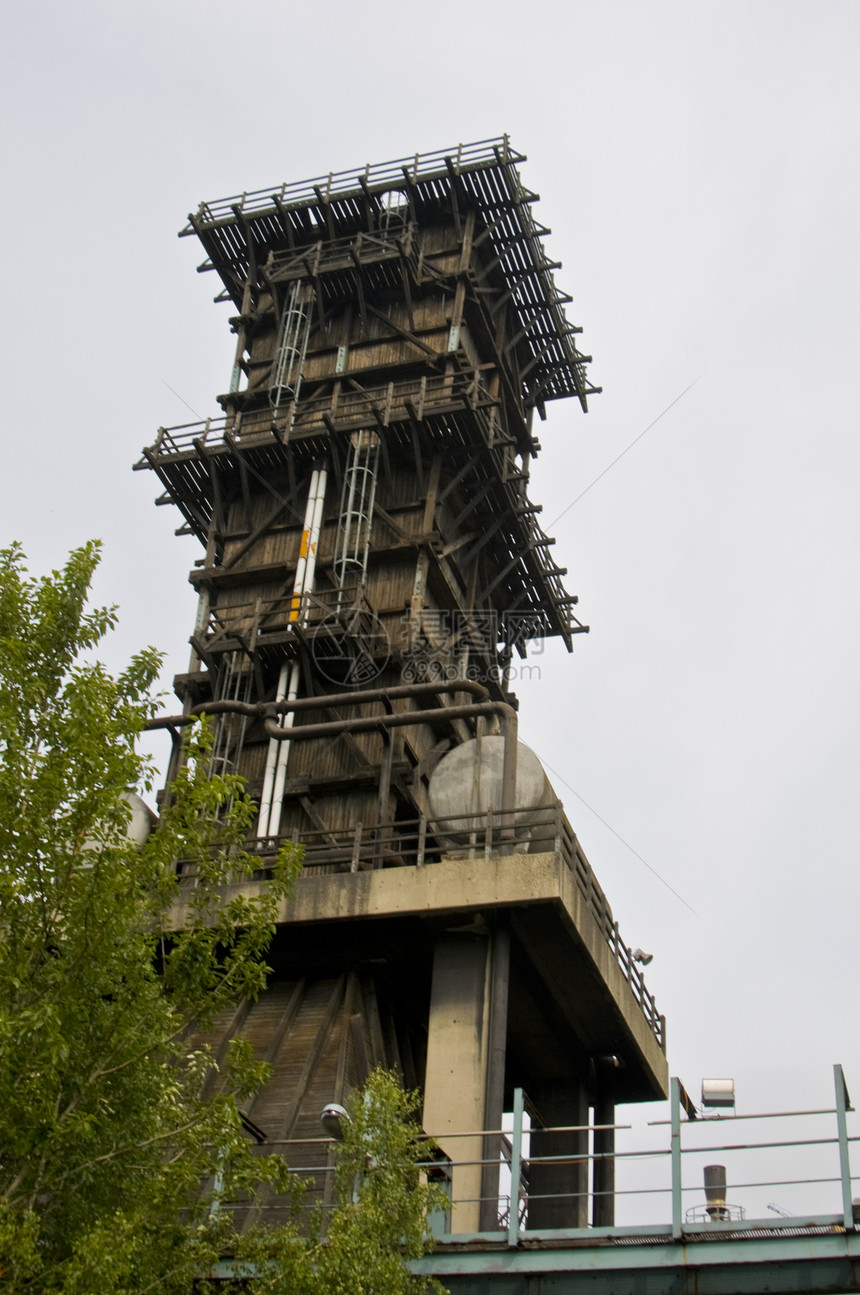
[423,841]
[387,402]
[649,1181]
[815,1167]
[249,623]
[342,253]
[377,176]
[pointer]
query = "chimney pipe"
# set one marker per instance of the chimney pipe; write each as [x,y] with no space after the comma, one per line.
[715,1193]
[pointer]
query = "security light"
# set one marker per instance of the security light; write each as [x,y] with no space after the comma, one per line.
[334,1118]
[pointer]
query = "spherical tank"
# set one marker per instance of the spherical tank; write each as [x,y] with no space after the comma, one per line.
[468,781]
[142,818]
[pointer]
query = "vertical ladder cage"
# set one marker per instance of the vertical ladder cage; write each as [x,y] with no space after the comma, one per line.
[291,347]
[234,684]
[356,509]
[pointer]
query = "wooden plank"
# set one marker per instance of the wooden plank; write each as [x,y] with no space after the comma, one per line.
[256,534]
[405,334]
[329,1016]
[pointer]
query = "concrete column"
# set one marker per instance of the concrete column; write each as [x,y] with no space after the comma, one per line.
[603,1204]
[464,1055]
[558,1193]
[495,1087]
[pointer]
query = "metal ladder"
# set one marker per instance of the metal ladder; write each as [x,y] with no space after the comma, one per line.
[291,347]
[234,684]
[356,508]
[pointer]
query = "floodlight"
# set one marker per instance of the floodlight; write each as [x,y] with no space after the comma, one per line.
[333,1120]
[718,1092]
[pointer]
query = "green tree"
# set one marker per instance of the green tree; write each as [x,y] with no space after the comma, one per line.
[379,1222]
[113,1148]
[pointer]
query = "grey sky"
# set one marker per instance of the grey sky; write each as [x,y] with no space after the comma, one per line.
[697,164]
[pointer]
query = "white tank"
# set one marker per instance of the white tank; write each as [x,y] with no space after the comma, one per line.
[142,818]
[468,780]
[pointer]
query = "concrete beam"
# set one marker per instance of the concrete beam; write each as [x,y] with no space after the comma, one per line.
[551,918]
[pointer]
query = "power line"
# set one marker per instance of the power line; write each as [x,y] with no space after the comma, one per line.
[620,456]
[626,844]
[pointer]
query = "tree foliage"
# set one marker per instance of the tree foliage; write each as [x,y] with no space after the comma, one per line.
[111,1132]
[383,1200]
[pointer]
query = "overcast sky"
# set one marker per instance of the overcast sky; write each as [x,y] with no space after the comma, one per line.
[697,163]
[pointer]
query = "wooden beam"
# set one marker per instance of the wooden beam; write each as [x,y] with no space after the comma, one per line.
[257,532]
[217,500]
[457,544]
[500,575]
[317,820]
[358,279]
[369,210]
[414,436]
[407,290]
[468,466]
[468,235]
[536,359]
[429,519]
[474,501]
[398,530]
[352,745]
[490,229]
[489,534]
[325,206]
[288,224]
[405,333]
[518,336]
[455,203]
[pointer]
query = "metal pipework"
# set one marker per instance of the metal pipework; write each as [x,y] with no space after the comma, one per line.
[288,680]
[405,719]
[264,709]
[368,723]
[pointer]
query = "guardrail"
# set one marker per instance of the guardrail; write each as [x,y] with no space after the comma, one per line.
[386,402]
[337,255]
[649,1183]
[422,841]
[248,623]
[378,176]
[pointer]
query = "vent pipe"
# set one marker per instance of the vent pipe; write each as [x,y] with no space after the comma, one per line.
[715,1193]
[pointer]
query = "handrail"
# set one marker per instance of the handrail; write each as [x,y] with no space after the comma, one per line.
[417,167]
[254,619]
[389,399]
[421,842]
[647,1173]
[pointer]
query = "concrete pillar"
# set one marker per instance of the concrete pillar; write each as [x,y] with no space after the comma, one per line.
[603,1203]
[500,965]
[465,1064]
[558,1193]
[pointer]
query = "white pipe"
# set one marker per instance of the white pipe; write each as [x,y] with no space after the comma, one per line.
[200,623]
[313,542]
[271,759]
[282,757]
[285,673]
[310,570]
[302,564]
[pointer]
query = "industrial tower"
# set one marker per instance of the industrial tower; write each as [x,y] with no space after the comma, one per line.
[372,563]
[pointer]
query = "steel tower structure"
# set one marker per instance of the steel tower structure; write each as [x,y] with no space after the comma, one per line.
[372,563]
